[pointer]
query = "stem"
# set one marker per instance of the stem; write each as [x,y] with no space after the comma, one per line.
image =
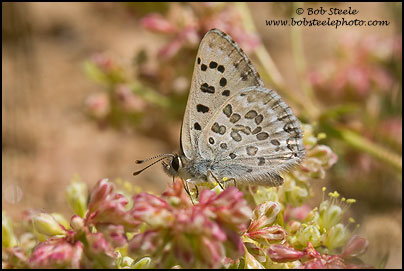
[363,144]
[371,148]
[311,106]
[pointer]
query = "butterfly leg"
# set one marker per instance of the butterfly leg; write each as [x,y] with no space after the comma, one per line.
[186,187]
[197,191]
[212,179]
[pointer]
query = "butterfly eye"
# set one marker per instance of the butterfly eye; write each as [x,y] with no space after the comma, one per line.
[175,163]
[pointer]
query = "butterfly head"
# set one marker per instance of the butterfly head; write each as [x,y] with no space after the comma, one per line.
[173,165]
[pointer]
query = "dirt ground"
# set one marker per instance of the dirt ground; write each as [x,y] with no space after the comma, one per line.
[47,138]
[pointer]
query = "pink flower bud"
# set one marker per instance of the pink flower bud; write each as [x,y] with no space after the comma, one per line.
[251,262]
[99,194]
[106,206]
[264,215]
[114,234]
[229,207]
[99,252]
[171,49]
[152,210]
[98,105]
[103,62]
[130,102]
[324,154]
[77,223]
[56,253]
[157,23]
[281,253]
[46,224]
[355,247]
[145,243]
[268,234]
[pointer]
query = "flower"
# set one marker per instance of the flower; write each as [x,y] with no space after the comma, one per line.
[100,253]
[108,207]
[356,246]
[129,101]
[199,236]
[114,234]
[98,105]
[46,224]
[56,253]
[152,210]
[8,237]
[281,253]
[186,24]
[76,195]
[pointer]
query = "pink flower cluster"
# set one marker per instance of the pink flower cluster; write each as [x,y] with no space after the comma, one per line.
[362,67]
[188,23]
[310,258]
[169,229]
[81,247]
[192,236]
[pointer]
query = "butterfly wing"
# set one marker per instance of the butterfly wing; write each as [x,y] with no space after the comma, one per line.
[254,136]
[221,69]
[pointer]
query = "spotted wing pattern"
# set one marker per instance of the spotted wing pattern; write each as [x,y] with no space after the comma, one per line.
[221,70]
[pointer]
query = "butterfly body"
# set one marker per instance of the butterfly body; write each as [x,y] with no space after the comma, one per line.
[233,126]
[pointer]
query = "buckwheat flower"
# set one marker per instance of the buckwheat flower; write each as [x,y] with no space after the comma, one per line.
[330,214]
[309,233]
[264,215]
[125,262]
[298,213]
[8,237]
[187,23]
[143,263]
[323,153]
[146,242]
[157,23]
[107,206]
[251,262]
[152,210]
[200,235]
[309,139]
[76,223]
[293,226]
[56,253]
[76,194]
[176,196]
[27,241]
[292,193]
[61,220]
[129,101]
[99,252]
[97,105]
[103,62]
[15,258]
[46,224]
[268,235]
[310,168]
[336,236]
[256,251]
[229,207]
[281,253]
[356,246]
[114,234]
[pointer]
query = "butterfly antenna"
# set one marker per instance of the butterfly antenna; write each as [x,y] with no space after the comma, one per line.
[164,156]
[154,157]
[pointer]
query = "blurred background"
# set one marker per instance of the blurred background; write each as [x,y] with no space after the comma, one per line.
[88,88]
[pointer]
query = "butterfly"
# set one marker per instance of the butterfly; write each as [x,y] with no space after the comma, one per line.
[233,128]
